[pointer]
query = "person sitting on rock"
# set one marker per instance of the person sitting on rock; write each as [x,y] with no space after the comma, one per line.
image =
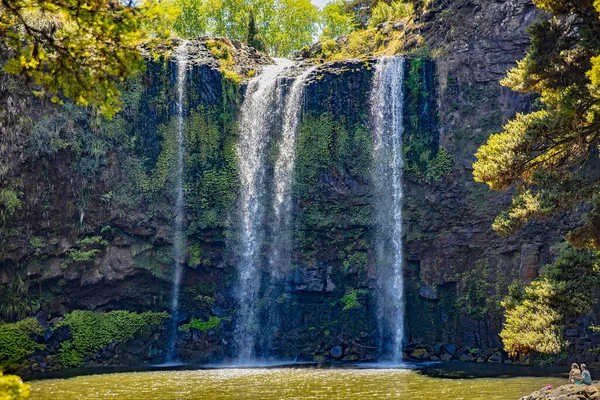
[585,374]
[575,374]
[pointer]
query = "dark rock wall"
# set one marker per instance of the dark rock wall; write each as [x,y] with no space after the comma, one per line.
[120,188]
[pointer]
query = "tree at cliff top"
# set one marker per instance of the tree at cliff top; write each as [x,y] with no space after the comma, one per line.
[79,48]
[550,157]
[254,38]
[285,25]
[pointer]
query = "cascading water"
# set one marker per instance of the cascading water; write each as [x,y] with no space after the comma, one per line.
[283,177]
[281,238]
[260,112]
[387,117]
[178,236]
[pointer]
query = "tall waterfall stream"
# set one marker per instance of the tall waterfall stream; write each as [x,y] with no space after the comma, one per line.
[388,128]
[178,235]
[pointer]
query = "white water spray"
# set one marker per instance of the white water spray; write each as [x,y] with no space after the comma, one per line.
[260,112]
[284,176]
[178,236]
[387,115]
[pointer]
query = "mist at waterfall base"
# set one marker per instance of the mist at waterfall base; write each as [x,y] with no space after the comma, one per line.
[271,111]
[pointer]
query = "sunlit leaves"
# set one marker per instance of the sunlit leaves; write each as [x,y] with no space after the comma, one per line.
[536,316]
[336,20]
[545,155]
[285,25]
[79,48]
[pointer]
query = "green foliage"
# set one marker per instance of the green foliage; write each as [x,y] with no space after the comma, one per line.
[325,144]
[16,340]
[15,297]
[79,49]
[253,37]
[93,331]
[336,20]
[212,167]
[535,314]
[423,159]
[86,251]
[395,11]
[13,388]
[285,25]
[475,298]
[549,155]
[351,300]
[202,326]
[195,255]
[356,260]
[9,203]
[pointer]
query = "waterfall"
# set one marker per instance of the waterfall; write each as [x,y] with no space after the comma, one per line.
[178,236]
[387,118]
[283,177]
[260,112]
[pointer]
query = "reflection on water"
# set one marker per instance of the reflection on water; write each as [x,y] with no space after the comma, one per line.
[284,383]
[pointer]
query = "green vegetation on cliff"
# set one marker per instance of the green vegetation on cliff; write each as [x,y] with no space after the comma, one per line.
[93,331]
[202,326]
[536,314]
[422,156]
[17,341]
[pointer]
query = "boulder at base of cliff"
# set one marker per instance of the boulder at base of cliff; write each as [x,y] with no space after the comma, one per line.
[566,392]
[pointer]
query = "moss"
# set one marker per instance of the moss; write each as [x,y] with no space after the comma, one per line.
[475,299]
[211,161]
[351,300]
[424,160]
[14,296]
[17,340]
[356,260]
[202,326]
[94,331]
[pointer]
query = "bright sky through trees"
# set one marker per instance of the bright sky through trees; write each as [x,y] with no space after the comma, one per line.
[320,3]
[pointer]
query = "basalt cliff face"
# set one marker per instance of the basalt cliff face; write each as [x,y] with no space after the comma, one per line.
[93,227]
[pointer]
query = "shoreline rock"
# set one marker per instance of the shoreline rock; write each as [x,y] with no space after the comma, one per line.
[566,392]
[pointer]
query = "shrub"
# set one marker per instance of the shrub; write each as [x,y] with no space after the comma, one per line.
[213,322]
[535,315]
[12,388]
[351,299]
[94,331]
[395,11]
[16,340]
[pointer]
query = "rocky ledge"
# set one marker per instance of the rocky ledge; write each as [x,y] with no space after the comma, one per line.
[566,392]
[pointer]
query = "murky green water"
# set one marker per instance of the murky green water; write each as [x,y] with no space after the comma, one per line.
[284,383]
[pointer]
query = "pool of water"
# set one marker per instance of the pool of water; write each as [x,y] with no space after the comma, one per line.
[285,383]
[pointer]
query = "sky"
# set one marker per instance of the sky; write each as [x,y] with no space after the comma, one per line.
[320,3]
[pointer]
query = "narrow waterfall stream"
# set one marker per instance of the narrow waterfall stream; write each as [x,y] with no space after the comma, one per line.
[387,117]
[260,111]
[178,235]
[284,175]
